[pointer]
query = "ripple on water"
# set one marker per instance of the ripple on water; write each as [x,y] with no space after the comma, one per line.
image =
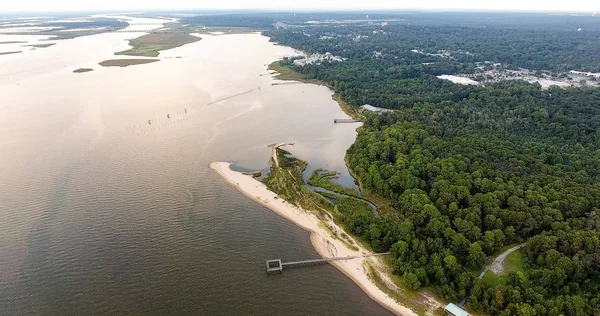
[102,222]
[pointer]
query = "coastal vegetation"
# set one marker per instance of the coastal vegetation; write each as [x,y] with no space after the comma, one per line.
[126,62]
[151,44]
[8,53]
[323,179]
[285,179]
[80,70]
[397,290]
[285,73]
[343,205]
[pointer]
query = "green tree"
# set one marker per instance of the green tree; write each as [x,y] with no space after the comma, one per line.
[476,258]
[412,281]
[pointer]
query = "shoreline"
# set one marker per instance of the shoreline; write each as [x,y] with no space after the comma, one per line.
[321,238]
[286,74]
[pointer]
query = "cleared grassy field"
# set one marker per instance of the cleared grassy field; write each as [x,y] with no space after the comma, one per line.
[126,62]
[512,263]
[151,44]
[285,73]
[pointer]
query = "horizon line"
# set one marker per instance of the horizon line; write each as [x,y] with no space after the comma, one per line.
[302,10]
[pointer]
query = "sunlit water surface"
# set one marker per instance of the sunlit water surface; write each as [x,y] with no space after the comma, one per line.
[108,207]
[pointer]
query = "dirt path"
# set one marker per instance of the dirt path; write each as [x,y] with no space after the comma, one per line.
[497,266]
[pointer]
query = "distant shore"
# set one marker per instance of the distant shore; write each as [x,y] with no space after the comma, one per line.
[325,244]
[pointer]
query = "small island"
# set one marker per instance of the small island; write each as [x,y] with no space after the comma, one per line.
[80,70]
[8,53]
[151,44]
[126,62]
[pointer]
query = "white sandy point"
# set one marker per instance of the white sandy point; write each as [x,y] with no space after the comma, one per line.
[325,245]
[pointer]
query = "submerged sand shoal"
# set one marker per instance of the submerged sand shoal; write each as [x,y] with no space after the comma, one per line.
[321,239]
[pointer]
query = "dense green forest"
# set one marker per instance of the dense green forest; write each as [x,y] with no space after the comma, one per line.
[469,170]
[472,176]
[472,169]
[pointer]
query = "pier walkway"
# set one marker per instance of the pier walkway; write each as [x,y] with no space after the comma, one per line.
[286,83]
[346,121]
[276,266]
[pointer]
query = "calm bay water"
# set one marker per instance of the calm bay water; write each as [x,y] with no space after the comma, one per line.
[104,213]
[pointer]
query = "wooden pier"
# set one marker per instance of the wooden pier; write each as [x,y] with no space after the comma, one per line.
[276,266]
[345,121]
[286,83]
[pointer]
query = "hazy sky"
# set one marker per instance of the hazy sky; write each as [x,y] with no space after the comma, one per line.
[518,5]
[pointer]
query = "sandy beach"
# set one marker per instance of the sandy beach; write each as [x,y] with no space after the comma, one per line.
[323,242]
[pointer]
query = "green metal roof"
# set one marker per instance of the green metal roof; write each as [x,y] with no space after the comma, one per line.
[455,310]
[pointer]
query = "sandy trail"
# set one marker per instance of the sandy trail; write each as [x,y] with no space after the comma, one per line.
[321,237]
[497,266]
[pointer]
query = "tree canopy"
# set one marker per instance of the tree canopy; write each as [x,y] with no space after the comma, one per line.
[469,170]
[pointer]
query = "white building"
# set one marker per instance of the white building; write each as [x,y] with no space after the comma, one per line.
[583,73]
[374,109]
[454,310]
